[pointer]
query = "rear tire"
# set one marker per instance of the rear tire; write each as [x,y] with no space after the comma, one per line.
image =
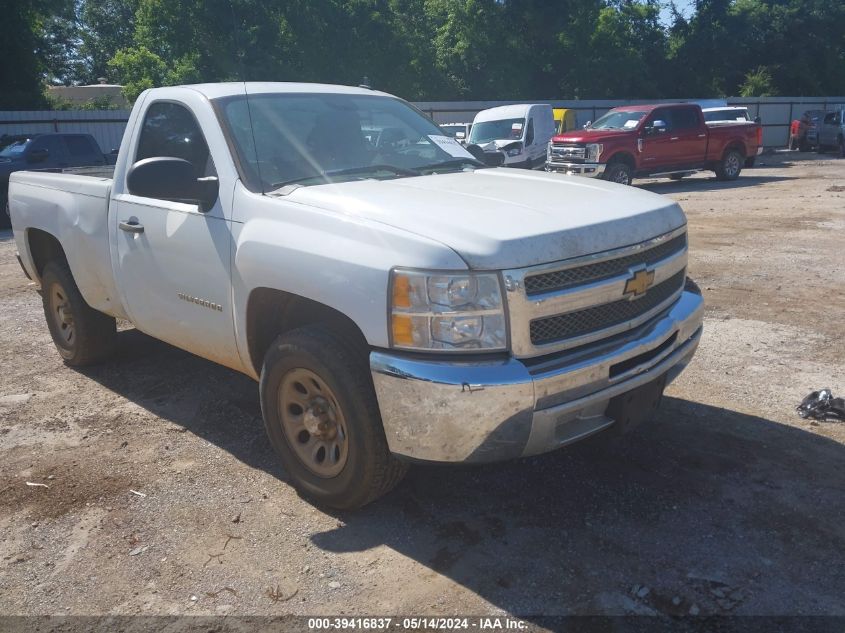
[322,417]
[83,335]
[619,172]
[730,166]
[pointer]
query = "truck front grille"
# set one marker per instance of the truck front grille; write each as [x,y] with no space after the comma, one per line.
[571,277]
[571,303]
[573,324]
[568,152]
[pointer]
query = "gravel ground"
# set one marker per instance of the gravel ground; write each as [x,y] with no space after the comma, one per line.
[163,496]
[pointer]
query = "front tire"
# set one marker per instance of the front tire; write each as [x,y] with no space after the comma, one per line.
[619,172]
[82,335]
[322,417]
[730,166]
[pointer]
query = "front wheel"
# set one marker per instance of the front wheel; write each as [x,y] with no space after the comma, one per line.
[619,173]
[730,166]
[322,417]
[82,335]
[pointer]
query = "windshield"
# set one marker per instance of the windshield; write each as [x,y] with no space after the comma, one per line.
[451,130]
[14,150]
[619,120]
[310,139]
[726,115]
[504,129]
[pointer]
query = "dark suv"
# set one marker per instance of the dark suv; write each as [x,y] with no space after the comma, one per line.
[46,152]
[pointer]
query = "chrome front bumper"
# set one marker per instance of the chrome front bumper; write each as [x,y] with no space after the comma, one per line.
[591,170]
[485,411]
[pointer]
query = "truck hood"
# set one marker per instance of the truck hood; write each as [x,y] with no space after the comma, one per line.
[492,146]
[590,136]
[505,218]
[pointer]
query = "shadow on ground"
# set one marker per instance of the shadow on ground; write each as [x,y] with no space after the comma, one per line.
[697,183]
[704,506]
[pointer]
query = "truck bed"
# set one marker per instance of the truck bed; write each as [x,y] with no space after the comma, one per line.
[73,206]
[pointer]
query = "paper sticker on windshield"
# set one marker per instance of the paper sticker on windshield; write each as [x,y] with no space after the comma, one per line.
[630,123]
[450,146]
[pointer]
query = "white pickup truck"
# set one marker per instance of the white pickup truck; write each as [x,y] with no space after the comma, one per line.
[396,299]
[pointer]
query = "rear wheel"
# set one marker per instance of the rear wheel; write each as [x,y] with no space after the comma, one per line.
[322,417]
[618,172]
[730,166]
[82,335]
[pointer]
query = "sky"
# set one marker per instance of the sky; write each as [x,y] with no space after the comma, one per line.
[684,6]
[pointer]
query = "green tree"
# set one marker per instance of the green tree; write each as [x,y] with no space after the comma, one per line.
[105,27]
[758,83]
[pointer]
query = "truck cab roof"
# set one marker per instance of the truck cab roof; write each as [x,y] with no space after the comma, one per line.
[234,88]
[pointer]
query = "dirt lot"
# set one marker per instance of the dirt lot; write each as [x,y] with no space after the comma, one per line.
[726,503]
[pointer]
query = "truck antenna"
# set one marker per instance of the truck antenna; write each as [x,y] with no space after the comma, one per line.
[242,76]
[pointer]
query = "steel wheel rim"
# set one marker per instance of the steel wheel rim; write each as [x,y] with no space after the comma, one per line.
[313,422]
[61,313]
[732,165]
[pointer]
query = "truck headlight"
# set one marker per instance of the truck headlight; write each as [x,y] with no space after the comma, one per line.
[447,311]
[594,151]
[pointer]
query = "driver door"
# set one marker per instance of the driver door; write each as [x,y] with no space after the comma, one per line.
[173,258]
[657,143]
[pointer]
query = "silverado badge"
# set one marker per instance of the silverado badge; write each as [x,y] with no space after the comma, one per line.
[639,283]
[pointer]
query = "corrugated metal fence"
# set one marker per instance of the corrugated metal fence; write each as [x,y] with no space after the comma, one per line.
[107,125]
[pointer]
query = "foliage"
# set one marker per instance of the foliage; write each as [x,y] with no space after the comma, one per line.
[432,49]
[758,83]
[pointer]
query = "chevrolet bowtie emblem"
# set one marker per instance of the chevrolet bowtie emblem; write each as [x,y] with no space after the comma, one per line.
[639,283]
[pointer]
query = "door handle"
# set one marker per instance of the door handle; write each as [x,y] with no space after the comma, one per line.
[674,138]
[701,135]
[131,227]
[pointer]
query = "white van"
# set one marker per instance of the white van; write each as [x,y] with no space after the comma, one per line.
[521,132]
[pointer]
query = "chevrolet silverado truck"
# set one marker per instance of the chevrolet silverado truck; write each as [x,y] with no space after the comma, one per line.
[396,299]
[655,140]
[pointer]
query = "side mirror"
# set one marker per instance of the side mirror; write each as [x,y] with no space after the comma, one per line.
[173,179]
[37,155]
[460,135]
[658,126]
[587,125]
[492,159]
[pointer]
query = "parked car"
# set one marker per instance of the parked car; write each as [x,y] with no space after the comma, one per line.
[727,114]
[831,132]
[654,140]
[458,131]
[46,152]
[394,305]
[808,131]
[564,120]
[520,132]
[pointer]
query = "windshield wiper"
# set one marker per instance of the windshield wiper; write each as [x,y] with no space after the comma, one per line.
[364,169]
[455,162]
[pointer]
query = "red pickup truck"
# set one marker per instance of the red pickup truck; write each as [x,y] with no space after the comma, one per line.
[655,140]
